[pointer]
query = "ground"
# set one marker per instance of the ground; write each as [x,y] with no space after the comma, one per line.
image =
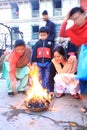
[63,114]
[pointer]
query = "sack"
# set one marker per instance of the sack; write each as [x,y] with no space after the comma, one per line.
[24,59]
[82,64]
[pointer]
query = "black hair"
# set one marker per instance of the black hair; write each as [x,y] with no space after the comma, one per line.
[75,10]
[60,50]
[44,29]
[19,42]
[45,12]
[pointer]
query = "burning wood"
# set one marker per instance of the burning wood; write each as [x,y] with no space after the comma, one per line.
[38,105]
[38,98]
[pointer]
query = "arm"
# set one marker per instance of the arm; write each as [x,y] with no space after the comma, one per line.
[34,53]
[12,65]
[51,78]
[74,62]
[52,36]
[52,33]
[62,32]
[12,73]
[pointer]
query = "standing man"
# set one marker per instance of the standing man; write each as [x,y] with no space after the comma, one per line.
[50,25]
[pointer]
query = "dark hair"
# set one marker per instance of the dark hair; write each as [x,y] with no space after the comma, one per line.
[60,50]
[44,29]
[45,12]
[75,10]
[19,42]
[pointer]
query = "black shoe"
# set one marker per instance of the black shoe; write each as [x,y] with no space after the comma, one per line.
[11,94]
[23,91]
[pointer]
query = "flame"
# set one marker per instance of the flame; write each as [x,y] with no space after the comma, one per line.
[36,91]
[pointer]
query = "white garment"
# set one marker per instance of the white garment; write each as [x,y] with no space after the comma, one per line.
[66,81]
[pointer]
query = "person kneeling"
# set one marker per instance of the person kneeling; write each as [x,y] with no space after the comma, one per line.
[62,73]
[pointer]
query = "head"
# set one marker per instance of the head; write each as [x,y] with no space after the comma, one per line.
[19,46]
[44,32]
[59,54]
[45,15]
[77,14]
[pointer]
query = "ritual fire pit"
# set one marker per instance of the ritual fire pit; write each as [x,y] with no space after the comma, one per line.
[37,105]
[38,98]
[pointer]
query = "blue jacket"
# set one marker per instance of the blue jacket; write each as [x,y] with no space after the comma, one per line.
[42,51]
[51,27]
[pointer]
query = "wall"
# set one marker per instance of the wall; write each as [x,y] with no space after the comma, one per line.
[25,20]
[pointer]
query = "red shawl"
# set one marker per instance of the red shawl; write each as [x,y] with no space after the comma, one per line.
[78,34]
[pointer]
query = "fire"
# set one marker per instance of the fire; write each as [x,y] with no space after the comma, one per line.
[37,95]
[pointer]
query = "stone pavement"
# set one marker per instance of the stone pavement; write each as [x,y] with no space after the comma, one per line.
[63,114]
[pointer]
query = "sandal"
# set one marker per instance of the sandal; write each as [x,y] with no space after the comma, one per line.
[76,96]
[58,95]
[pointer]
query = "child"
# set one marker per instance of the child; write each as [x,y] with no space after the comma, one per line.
[42,55]
[15,67]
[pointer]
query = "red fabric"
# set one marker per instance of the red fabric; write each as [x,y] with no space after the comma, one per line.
[71,53]
[43,52]
[77,34]
[12,62]
[62,32]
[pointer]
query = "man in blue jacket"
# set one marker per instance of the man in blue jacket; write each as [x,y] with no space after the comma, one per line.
[50,25]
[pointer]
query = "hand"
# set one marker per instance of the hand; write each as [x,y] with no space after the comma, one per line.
[14,82]
[29,64]
[72,59]
[30,82]
[34,64]
[67,16]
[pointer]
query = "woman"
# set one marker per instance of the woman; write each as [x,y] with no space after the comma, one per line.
[78,35]
[15,67]
[62,72]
